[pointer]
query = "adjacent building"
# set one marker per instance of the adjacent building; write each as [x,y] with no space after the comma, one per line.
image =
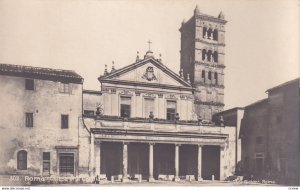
[233,117]
[39,120]
[270,135]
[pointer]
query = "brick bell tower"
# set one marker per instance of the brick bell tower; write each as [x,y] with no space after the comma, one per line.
[202,56]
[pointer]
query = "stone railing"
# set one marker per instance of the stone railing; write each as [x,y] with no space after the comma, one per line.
[114,122]
[148,120]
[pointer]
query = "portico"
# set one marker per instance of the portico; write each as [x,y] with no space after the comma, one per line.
[155,155]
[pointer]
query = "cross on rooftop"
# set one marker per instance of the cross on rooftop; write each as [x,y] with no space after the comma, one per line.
[149,42]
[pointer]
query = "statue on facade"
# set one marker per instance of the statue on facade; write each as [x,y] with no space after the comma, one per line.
[151,116]
[99,111]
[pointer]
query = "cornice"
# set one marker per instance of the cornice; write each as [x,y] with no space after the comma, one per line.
[209,103]
[143,84]
[210,18]
[209,85]
[218,65]
[209,42]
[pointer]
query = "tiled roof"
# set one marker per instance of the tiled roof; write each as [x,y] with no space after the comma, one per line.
[40,73]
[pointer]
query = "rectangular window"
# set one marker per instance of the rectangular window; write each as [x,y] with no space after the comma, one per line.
[209,75]
[88,113]
[148,106]
[29,119]
[171,110]
[29,84]
[203,76]
[64,121]
[259,162]
[46,163]
[64,87]
[125,107]
[66,164]
[22,160]
[216,78]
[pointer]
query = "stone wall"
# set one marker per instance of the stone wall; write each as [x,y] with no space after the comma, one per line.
[284,131]
[47,104]
[254,125]
[276,121]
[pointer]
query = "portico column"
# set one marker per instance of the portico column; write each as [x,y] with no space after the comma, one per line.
[176,162]
[125,162]
[92,156]
[98,158]
[151,178]
[200,163]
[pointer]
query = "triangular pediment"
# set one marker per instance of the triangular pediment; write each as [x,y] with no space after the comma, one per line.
[147,71]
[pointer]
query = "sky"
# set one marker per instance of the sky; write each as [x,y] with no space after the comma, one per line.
[262,38]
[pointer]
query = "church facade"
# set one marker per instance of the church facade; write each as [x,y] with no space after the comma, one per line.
[146,125]
[145,122]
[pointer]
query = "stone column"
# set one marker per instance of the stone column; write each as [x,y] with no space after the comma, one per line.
[200,163]
[125,162]
[92,155]
[176,162]
[151,178]
[98,158]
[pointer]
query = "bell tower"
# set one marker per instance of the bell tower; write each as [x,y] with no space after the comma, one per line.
[202,57]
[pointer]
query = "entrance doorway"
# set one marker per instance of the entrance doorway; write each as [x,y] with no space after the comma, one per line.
[66,164]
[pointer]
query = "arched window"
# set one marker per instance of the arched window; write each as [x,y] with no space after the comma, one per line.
[209,55]
[203,75]
[209,75]
[216,77]
[22,160]
[215,35]
[204,32]
[209,34]
[203,54]
[215,55]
